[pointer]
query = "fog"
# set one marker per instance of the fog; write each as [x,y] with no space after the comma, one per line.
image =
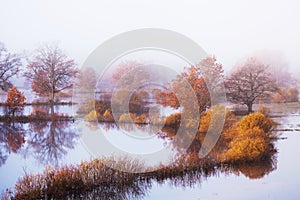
[228,29]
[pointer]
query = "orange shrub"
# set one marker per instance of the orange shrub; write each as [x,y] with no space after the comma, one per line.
[250,146]
[217,111]
[140,119]
[92,116]
[127,118]
[15,101]
[256,120]
[173,120]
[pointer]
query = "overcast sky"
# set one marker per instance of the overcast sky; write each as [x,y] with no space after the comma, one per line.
[228,29]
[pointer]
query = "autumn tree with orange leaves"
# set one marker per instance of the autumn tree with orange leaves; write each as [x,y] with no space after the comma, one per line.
[15,101]
[203,77]
[51,72]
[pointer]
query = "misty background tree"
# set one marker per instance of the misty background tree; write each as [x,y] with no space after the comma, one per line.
[51,71]
[250,82]
[278,67]
[9,67]
[87,79]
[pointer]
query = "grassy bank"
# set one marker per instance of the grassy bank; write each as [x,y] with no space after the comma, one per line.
[44,103]
[35,118]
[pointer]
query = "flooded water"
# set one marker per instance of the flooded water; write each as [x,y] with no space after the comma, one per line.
[31,147]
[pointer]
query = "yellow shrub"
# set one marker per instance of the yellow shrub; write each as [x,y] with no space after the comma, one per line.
[217,111]
[107,116]
[204,122]
[191,123]
[249,147]
[256,120]
[140,119]
[92,116]
[127,117]
[107,113]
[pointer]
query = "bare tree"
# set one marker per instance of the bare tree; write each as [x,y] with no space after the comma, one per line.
[9,66]
[248,83]
[51,71]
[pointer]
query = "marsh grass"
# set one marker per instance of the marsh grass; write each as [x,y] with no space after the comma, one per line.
[101,174]
[74,180]
[100,179]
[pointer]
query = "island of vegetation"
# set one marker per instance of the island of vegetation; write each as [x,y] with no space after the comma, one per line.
[245,139]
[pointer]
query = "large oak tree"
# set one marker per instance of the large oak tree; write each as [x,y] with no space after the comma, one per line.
[51,71]
[248,83]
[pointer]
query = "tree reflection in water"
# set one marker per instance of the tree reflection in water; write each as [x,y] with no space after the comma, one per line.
[12,137]
[137,190]
[49,141]
[188,169]
[250,170]
[253,170]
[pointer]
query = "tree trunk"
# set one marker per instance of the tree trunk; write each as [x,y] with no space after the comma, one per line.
[249,105]
[52,97]
[52,109]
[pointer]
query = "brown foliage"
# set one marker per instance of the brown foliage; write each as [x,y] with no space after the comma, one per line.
[51,72]
[173,120]
[15,141]
[15,101]
[206,74]
[286,95]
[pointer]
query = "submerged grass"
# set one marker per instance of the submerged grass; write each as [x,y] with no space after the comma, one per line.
[74,180]
[101,179]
